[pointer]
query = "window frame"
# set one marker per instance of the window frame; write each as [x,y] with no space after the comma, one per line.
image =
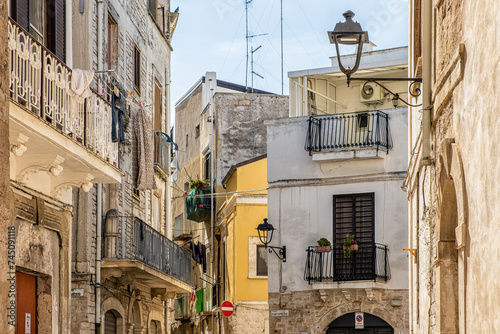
[137,69]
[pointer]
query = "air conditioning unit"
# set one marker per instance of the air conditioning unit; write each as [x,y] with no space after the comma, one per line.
[371,93]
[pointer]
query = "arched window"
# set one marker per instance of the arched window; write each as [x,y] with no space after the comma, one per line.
[154,328]
[110,323]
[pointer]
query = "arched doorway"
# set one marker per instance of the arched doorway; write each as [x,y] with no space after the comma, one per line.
[372,324]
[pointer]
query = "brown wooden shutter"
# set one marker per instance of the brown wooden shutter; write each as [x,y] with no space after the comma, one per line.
[354,215]
[56,26]
[20,13]
[60,17]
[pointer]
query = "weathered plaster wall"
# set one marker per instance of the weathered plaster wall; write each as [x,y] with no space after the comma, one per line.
[4,167]
[241,133]
[465,153]
[300,208]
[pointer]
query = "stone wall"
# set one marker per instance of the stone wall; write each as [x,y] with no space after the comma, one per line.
[312,311]
[454,201]
[4,167]
[241,133]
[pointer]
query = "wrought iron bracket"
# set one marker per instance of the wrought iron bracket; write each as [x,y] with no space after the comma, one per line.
[415,92]
[281,253]
[413,251]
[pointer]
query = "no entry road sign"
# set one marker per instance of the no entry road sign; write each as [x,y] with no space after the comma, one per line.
[227,308]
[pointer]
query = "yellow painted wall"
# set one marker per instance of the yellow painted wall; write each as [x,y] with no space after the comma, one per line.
[241,223]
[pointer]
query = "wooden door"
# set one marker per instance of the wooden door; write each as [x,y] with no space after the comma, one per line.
[25,304]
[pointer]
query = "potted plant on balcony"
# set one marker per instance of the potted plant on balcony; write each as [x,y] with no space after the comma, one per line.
[324,245]
[199,184]
[349,246]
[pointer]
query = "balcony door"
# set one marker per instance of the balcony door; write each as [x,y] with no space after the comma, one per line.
[354,215]
[44,20]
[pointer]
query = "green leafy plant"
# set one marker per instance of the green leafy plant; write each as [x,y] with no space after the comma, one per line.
[193,184]
[324,242]
[348,242]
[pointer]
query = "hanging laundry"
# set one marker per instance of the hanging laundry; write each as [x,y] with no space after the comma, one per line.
[119,112]
[80,82]
[203,256]
[142,149]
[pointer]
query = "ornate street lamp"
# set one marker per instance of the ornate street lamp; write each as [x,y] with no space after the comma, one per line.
[348,33]
[266,231]
[351,33]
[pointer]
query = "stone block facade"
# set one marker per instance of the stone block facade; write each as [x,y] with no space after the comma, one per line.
[313,310]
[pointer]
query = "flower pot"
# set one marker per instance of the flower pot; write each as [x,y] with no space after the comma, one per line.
[205,186]
[353,247]
[323,249]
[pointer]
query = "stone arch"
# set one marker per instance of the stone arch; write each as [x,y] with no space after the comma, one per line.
[112,304]
[156,316]
[341,310]
[451,240]
[135,315]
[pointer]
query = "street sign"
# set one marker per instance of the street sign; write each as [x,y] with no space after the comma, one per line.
[280,313]
[227,308]
[359,320]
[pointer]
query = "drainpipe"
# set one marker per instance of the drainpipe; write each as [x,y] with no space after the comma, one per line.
[212,166]
[99,186]
[426,83]
[98,260]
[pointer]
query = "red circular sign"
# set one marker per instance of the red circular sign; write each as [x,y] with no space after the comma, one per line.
[227,308]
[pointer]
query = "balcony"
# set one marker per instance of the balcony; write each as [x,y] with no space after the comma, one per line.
[369,262]
[198,205]
[162,151]
[51,129]
[348,135]
[140,252]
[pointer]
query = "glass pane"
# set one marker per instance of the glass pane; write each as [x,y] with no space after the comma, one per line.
[261,261]
[36,19]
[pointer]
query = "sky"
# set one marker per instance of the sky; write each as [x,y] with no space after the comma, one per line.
[210,36]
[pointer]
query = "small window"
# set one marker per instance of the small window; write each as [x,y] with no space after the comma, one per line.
[137,69]
[207,166]
[112,43]
[152,7]
[362,120]
[261,260]
[197,131]
[187,140]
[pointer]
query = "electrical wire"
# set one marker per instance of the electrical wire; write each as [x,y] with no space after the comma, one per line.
[224,194]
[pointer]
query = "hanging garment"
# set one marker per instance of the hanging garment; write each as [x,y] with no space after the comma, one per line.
[142,149]
[80,82]
[203,256]
[118,112]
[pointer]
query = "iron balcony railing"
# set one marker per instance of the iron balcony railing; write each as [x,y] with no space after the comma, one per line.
[369,262]
[348,131]
[162,150]
[129,238]
[41,84]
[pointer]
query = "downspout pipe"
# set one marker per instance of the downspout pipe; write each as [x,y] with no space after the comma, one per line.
[99,186]
[98,260]
[426,83]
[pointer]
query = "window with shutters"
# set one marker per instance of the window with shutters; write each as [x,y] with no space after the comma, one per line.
[354,215]
[44,20]
[137,69]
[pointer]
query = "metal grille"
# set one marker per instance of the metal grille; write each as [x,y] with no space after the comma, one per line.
[369,262]
[348,131]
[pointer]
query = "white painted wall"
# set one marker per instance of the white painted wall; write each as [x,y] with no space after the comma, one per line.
[300,199]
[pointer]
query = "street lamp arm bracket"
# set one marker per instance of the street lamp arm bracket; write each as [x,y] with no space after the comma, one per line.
[415,92]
